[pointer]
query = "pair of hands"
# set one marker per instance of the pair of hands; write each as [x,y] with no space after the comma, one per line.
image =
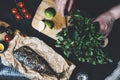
[105,20]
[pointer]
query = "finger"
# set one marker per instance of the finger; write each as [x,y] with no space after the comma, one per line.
[56,1]
[106,33]
[62,9]
[101,27]
[97,19]
[106,29]
[109,28]
[70,5]
[58,4]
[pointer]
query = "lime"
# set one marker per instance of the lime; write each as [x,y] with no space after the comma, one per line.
[49,23]
[49,13]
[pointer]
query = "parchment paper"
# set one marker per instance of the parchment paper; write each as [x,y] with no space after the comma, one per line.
[56,61]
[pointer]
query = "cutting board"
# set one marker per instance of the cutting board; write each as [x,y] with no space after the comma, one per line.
[59,20]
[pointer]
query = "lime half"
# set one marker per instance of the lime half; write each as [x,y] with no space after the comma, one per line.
[49,23]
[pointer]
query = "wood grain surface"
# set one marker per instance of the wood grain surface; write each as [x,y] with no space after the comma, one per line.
[59,20]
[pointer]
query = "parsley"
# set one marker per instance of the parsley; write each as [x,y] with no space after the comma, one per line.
[82,40]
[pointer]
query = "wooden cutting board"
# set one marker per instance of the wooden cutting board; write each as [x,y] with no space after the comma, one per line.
[59,20]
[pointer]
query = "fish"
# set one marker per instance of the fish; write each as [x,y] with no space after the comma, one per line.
[31,59]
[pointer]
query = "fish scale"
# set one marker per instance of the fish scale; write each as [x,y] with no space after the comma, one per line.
[34,61]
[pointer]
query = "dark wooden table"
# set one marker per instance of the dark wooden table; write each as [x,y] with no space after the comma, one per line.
[94,8]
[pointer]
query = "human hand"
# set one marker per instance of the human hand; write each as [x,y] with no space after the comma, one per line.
[61,5]
[105,21]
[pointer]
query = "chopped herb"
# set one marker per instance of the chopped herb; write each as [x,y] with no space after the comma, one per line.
[82,40]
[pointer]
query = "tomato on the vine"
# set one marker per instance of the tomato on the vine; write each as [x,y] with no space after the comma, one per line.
[24,10]
[14,10]
[8,38]
[21,4]
[18,16]
[28,16]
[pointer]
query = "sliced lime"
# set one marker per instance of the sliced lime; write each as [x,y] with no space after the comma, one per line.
[49,23]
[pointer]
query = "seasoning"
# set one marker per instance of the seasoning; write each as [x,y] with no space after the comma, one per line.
[1,47]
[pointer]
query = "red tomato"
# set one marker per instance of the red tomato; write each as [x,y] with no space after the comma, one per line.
[8,38]
[24,10]
[28,16]
[21,4]
[18,16]
[14,10]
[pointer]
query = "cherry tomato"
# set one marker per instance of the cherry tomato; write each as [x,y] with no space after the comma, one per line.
[24,10]
[8,38]
[21,4]
[28,16]
[18,16]
[14,10]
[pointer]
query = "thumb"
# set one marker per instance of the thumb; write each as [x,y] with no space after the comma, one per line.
[70,5]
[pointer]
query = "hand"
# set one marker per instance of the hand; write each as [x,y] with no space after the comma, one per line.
[61,5]
[105,21]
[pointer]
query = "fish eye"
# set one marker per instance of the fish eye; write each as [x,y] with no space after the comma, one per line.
[2,29]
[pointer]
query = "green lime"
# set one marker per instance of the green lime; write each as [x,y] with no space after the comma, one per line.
[49,23]
[49,13]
